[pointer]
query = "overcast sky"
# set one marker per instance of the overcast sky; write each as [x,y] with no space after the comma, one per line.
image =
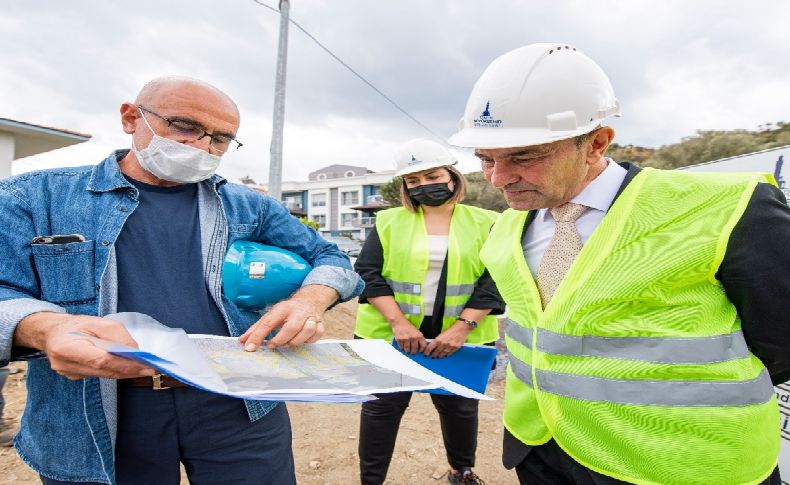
[676,66]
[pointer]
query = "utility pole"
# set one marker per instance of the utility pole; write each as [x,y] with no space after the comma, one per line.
[276,149]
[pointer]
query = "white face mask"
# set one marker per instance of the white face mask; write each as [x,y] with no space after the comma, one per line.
[173,161]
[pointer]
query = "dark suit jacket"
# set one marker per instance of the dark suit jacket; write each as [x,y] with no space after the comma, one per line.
[755,273]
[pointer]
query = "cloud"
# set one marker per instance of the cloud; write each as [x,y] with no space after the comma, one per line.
[676,66]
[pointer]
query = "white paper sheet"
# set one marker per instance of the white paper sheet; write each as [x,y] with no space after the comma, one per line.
[328,371]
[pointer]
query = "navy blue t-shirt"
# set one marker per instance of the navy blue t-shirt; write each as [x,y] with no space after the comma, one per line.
[160,267]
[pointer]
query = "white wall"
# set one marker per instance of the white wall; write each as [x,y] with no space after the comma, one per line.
[763,161]
[6,154]
[783,395]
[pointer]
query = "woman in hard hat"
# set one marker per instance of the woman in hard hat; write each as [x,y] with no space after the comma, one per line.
[424,280]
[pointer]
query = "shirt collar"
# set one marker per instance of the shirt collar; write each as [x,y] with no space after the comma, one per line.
[600,193]
[107,175]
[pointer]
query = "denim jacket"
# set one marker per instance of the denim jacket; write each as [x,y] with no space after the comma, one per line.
[68,427]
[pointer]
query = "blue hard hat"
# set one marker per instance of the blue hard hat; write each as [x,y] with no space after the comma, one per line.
[255,275]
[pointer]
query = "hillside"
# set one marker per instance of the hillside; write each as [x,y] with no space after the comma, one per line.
[704,146]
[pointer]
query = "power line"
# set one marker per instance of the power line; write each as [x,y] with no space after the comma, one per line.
[362,78]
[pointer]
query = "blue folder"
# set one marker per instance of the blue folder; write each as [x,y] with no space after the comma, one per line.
[469,366]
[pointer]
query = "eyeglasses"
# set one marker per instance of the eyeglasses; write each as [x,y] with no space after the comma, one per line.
[190,130]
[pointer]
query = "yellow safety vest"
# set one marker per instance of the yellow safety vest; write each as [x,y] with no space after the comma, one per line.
[638,367]
[404,242]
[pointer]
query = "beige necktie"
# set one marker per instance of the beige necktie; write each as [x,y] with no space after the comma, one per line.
[562,250]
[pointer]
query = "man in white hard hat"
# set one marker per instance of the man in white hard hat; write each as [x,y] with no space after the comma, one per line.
[646,308]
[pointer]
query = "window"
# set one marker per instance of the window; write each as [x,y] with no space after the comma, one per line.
[293,201]
[318,200]
[347,219]
[349,198]
[320,219]
[349,173]
[321,176]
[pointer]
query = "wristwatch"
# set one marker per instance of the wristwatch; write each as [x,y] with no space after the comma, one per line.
[472,324]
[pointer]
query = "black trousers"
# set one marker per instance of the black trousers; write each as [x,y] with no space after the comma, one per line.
[380,420]
[548,464]
[210,434]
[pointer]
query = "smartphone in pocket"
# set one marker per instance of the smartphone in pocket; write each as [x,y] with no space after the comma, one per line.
[58,239]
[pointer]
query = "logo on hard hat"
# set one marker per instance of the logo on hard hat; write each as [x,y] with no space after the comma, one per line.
[486,119]
[414,161]
[257,270]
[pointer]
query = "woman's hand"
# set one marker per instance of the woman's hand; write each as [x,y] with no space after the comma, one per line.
[409,337]
[449,341]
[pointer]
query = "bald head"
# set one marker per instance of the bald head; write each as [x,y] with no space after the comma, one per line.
[156,91]
[177,98]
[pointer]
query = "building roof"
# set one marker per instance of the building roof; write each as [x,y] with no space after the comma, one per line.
[338,171]
[31,139]
[370,178]
[249,182]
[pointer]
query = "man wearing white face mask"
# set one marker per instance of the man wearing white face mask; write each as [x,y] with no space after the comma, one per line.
[176,162]
[145,231]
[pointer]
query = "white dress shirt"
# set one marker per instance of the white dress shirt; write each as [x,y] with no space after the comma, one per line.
[437,252]
[597,196]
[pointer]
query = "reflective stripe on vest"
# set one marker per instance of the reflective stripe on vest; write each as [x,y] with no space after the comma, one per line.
[699,350]
[660,350]
[405,287]
[453,311]
[522,335]
[460,290]
[409,288]
[521,370]
[407,309]
[647,392]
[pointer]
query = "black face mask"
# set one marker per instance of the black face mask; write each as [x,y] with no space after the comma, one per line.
[431,194]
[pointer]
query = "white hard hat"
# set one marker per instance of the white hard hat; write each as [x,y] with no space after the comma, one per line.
[536,94]
[421,154]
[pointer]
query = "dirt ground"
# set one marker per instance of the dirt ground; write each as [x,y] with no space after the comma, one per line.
[325,436]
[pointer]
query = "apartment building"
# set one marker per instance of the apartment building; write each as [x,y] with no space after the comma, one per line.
[342,199]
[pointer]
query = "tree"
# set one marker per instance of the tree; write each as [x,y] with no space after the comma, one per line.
[309,223]
[629,153]
[705,146]
[708,145]
[391,192]
[480,193]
